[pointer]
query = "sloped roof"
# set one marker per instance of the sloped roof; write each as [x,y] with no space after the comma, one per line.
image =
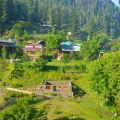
[33,47]
[33,44]
[41,42]
[7,43]
[70,46]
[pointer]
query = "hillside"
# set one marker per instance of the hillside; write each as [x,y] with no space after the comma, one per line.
[74,15]
[61,60]
[83,106]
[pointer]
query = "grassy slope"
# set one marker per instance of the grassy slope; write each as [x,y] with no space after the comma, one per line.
[86,106]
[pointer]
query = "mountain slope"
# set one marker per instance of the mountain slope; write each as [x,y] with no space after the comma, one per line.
[75,14]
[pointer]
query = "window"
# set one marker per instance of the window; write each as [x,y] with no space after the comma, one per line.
[47,87]
[65,88]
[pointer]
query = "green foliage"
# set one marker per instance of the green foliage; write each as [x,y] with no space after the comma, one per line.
[65,58]
[53,94]
[25,57]
[17,71]
[73,55]
[92,27]
[3,68]
[73,108]
[20,34]
[39,63]
[4,53]
[104,76]
[63,13]
[53,31]
[26,35]
[12,56]
[63,118]
[18,30]
[22,110]
[62,34]
[53,41]
[115,45]
[26,70]
[90,49]
[73,21]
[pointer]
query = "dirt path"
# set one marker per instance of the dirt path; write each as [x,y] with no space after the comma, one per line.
[17,90]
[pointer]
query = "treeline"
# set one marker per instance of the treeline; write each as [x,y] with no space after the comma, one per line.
[75,15]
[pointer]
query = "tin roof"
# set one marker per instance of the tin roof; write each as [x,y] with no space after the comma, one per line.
[8,43]
[70,46]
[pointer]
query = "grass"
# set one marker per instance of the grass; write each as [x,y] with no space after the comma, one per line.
[83,107]
[38,36]
[59,107]
[87,107]
[2,100]
[59,63]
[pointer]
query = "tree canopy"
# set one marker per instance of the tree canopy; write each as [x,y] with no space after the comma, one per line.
[104,75]
[92,15]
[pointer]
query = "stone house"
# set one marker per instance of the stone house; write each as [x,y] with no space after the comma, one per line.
[58,88]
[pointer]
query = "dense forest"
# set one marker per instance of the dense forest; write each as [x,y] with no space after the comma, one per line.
[94,70]
[93,16]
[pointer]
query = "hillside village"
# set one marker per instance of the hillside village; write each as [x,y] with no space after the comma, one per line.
[59,60]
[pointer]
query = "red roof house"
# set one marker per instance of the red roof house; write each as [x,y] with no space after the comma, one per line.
[33,50]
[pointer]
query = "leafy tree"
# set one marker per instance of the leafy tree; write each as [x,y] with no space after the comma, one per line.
[104,76]
[26,35]
[91,48]
[35,35]
[20,34]
[12,56]
[53,42]
[65,58]
[3,68]
[4,53]
[91,27]
[62,34]
[73,21]
[18,30]
[22,110]
[73,55]
[115,45]
[17,71]
[53,30]
[64,13]
[7,10]
[39,63]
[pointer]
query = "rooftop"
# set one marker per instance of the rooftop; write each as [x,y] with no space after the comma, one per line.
[8,43]
[70,46]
